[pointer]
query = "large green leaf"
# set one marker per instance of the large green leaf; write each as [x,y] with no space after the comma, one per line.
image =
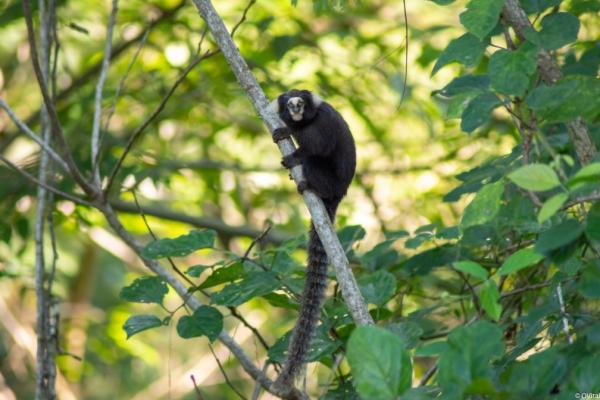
[465,84]
[466,50]
[147,289]
[466,362]
[478,111]
[489,296]
[180,246]
[481,16]
[221,275]
[518,260]
[378,287]
[510,71]
[535,177]
[205,321]
[589,173]
[537,6]
[139,323]
[558,29]
[253,285]
[559,236]
[484,207]
[574,96]
[380,365]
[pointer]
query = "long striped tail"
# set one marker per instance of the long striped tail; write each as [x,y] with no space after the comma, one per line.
[310,309]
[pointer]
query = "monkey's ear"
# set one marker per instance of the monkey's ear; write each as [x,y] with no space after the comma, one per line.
[274,106]
[316,100]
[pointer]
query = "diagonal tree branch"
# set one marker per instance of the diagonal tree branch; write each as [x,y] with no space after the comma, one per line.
[335,252]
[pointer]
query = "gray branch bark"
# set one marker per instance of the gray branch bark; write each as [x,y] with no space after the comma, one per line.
[331,243]
[551,73]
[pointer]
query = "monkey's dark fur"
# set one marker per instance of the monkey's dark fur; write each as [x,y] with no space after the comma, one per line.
[327,154]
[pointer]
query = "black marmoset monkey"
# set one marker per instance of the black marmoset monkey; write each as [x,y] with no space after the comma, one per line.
[327,154]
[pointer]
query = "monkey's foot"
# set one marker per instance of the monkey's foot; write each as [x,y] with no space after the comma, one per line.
[281,134]
[290,161]
[302,186]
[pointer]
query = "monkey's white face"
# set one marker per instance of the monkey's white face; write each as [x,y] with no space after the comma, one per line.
[295,106]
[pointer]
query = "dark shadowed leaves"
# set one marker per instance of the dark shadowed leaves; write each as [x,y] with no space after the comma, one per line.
[180,246]
[478,111]
[592,226]
[205,321]
[558,236]
[380,365]
[574,96]
[148,289]
[139,323]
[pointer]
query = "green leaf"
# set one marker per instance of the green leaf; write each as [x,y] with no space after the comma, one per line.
[147,289]
[351,234]
[559,236]
[138,323]
[489,296]
[592,226]
[471,268]
[409,331]
[196,270]
[443,2]
[551,206]
[558,29]
[478,111]
[380,365]
[481,16]
[467,50]
[484,207]
[378,287]
[205,321]
[510,70]
[589,173]
[468,357]
[180,246]
[535,177]
[574,96]
[221,275]
[537,6]
[518,260]
[465,84]
[256,284]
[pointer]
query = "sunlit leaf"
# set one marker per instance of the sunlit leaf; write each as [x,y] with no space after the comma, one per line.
[489,296]
[471,268]
[535,177]
[518,260]
[551,206]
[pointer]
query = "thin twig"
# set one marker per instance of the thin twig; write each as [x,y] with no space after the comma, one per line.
[57,131]
[95,145]
[138,132]
[405,83]
[31,134]
[199,395]
[35,181]
[563,313]
[212,350]
[423,381]
[244,14]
